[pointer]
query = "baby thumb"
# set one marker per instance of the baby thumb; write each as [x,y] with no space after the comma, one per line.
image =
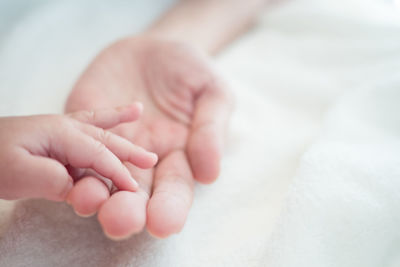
[40,178]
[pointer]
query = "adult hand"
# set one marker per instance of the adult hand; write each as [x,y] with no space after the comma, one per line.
[187,108]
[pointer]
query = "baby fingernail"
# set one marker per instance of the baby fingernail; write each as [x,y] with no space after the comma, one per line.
[139,105]
[154,156]
[134,184]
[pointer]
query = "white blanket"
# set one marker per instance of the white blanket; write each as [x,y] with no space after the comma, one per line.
[311,172]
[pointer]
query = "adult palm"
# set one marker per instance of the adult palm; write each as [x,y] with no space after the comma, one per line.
[187,108]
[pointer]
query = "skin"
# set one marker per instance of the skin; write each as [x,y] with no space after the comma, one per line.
[187,109]
[51,148]
[188,106]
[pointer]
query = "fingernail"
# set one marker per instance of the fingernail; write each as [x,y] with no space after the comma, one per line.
[116,238]
[84,215]
[154,156]
[134,184]
[139,105]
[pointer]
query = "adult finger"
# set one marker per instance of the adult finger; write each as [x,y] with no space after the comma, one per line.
[172,195]
[124,214]
[109,117]
[87,196]
[208,130]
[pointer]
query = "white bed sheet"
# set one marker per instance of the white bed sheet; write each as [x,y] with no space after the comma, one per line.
[305,80]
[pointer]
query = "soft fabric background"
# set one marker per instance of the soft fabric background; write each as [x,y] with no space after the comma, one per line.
[311,173]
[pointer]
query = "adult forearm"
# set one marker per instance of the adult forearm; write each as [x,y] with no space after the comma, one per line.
[207,24]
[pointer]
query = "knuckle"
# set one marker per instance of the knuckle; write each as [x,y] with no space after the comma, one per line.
[101,149]
[90,115]
[63,123]
[86,116]
[103,136]
[57,119]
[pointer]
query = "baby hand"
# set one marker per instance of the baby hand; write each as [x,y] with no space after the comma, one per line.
[37,152]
